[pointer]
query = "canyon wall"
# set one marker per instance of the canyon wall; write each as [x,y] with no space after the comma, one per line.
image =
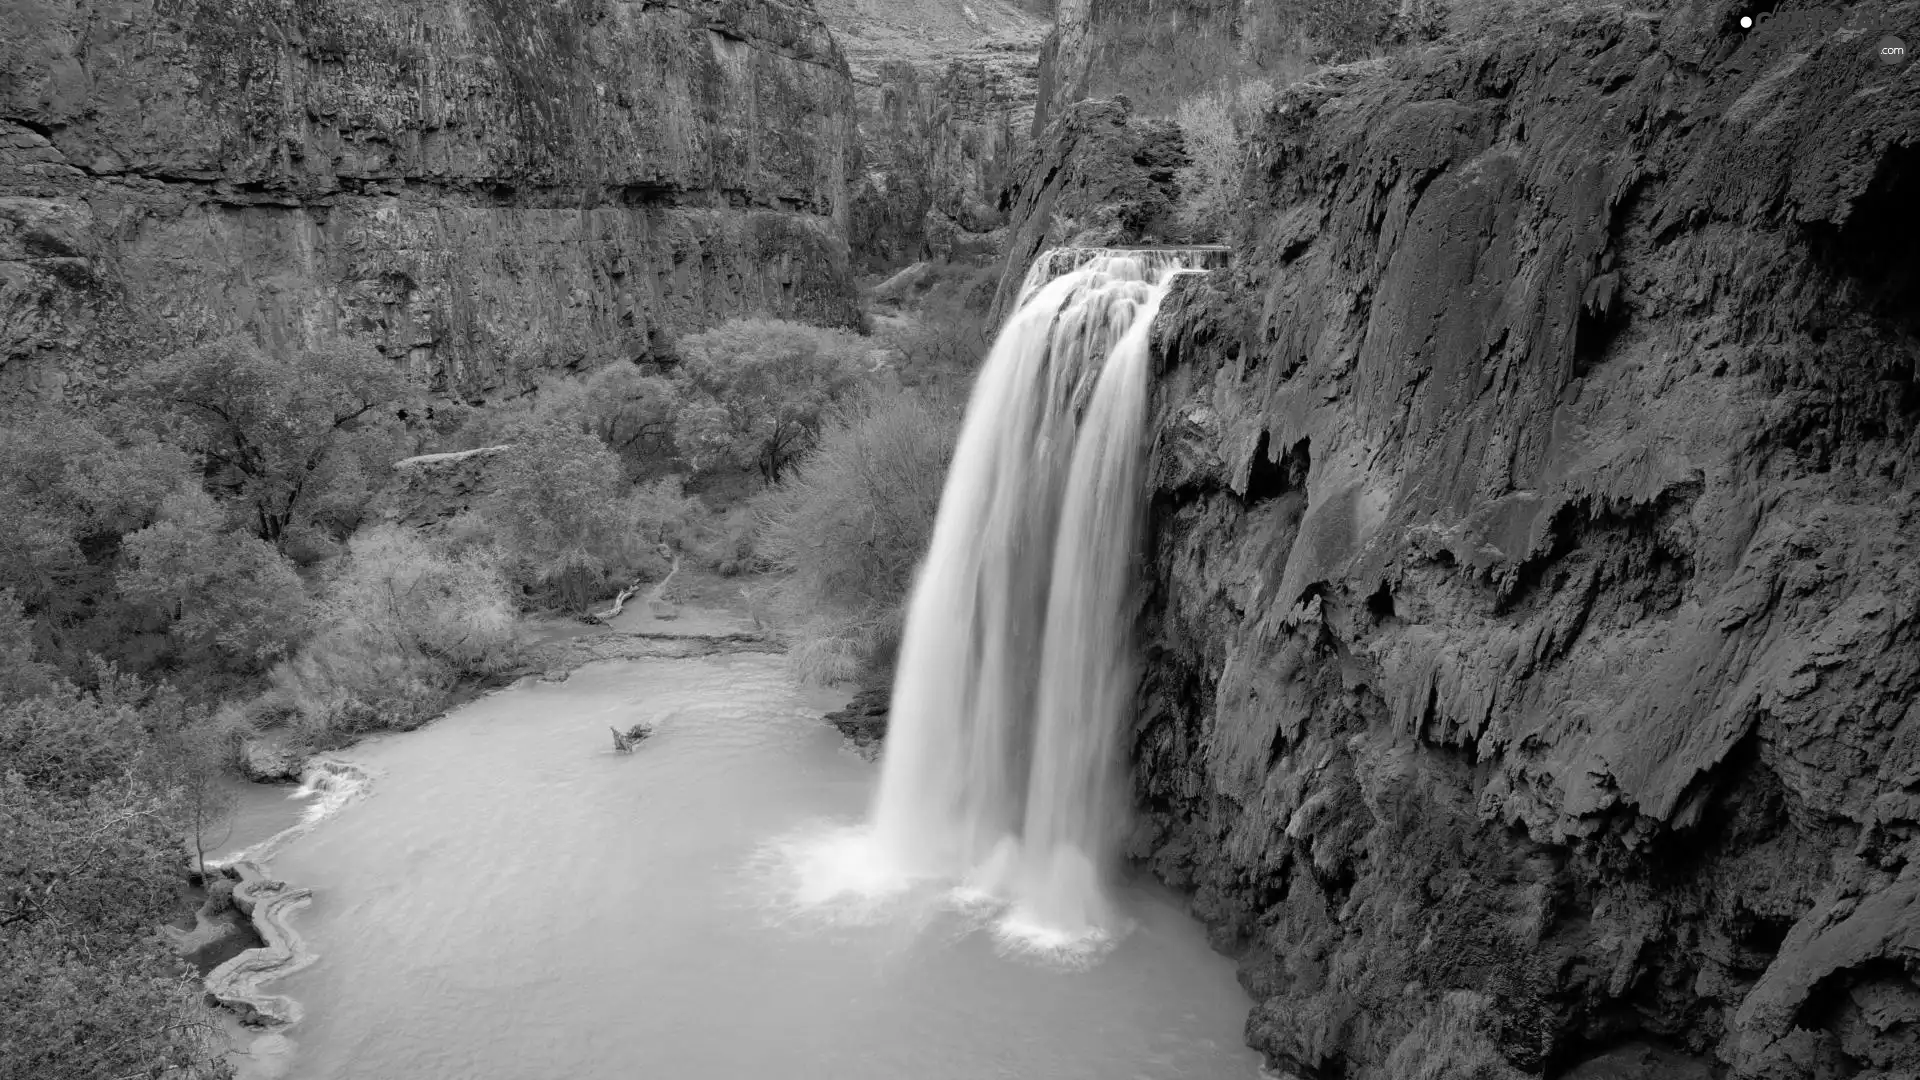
[1160,52]
[1533,675]
[943,102]
[485,187]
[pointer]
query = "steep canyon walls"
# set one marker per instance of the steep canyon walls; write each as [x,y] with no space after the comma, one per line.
[944,99]
[1158,52]
[1535,661]
[486,187]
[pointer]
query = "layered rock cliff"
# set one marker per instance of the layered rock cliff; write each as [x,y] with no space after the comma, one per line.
[1534,662]
[484,186]
[1160,52]
[944,95]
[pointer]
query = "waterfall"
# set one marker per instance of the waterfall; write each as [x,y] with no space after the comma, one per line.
[1002,767]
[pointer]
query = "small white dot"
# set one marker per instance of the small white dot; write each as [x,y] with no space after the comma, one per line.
[1746,22]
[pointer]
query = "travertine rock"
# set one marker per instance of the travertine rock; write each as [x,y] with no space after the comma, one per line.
[485,186]
[1536,558]
[1098,177]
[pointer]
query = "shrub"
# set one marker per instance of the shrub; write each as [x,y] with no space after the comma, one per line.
[757,391]
[402,622]
[1216,127]
[730,545]
[851,524]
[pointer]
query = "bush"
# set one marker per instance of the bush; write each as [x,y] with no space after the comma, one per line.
[1217,128]
[852,523]
[403,621]
[757,391]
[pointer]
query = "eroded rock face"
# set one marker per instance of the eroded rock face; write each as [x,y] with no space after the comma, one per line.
[944,99]
[1099,177]
[1161,51]
[1536,556]
[487,187]
[433,489]
[936,151]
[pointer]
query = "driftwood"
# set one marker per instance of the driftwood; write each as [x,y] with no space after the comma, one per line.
[623,740]
[657,599]
[619,602]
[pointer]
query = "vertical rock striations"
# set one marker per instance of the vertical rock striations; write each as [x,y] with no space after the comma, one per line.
[1161,51]
[944,97]
[485,186]
[1536,573]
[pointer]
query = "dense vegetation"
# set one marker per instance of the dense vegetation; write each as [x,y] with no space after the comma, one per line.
[204,561]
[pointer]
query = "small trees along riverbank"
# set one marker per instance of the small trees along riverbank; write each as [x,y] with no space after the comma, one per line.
[216,528]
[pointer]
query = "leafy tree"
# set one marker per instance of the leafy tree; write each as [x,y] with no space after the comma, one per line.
[625,408]
[71,492]
[630,411]
[756,392]
[557,513]
[227,596]
[195,757]
[89,863]
[852,523]
[292,437]
[22,675]
[1214,126]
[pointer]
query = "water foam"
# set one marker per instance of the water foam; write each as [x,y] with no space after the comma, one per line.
[331,784]
[832,876]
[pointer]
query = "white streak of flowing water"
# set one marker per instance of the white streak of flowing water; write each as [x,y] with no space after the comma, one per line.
[1002,766]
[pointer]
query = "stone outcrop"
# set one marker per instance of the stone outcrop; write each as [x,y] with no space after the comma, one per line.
[1536,556]
[1099,177]
[485,187]
[433,489]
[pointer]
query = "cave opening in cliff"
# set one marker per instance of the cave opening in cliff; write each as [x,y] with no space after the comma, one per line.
[1874,249]
[1269,477]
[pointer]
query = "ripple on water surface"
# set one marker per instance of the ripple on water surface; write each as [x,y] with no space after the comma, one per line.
[514,900]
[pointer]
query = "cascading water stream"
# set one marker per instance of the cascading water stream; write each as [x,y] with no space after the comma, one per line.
[1016,669]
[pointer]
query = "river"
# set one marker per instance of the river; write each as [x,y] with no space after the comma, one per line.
[512,900]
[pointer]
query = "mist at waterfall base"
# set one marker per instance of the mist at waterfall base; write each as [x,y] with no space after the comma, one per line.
[1001,786]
